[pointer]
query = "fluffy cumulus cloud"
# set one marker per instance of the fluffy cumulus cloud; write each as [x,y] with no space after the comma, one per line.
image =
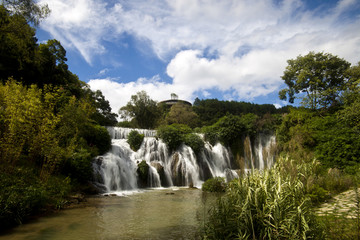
[239,48]
[118,94]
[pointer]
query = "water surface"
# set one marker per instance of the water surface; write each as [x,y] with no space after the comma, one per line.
[154,214]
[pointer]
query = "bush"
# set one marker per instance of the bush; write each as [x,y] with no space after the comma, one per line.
[229,128]
[79,166]
[210,134]
[194,141]
[126,124]
[173,135]
[23,194]
[135,140]
[98,137]
[216,184]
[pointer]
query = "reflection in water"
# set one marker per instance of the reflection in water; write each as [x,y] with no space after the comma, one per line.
[155,214]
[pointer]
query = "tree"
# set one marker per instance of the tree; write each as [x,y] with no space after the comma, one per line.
[31,11]
[183,114]
[142,109]
[103,114]
[320,76]
[17,46]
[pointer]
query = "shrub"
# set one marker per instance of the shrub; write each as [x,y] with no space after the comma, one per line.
[135,140]
[173,135]
[79,166]
[210,134]
[97,136]
[23,194]
[229,128]
[194,141]
[216,184]
[126,124]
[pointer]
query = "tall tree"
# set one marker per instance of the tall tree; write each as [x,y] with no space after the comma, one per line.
[103,114]
[182,114]
[17,46]
[31,11]
[142,109]
[318,78]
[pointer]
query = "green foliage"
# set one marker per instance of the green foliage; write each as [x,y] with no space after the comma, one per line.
[331,137]
[194,141]
[216,184]
[97,137]
[78,166]
[321,76]
[29,124]
[29,9]
[268,123]
[47,118]
[263,205]
[18,45]
[211,110]
[230,128]
[318,194]
[210,134]
[135,140]
[173,135]
[182,114]
[23,194]
[142,109]
[103,114]
[33,130]
[126,124]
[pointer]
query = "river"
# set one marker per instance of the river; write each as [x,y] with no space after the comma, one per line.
[173,213]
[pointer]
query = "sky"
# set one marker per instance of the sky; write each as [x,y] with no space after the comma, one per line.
[225,49]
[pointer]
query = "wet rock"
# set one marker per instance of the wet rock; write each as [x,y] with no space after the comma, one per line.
[143,173]
[77,198]
[161,171]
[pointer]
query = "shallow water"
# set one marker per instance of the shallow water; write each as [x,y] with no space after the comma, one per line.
[154,214]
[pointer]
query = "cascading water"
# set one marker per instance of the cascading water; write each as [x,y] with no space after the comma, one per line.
[118,170]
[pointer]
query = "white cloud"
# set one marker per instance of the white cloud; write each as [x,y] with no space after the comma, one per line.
[78,25]
[251,40]
[119,94]
[171,25]
[277,105]
[103,71]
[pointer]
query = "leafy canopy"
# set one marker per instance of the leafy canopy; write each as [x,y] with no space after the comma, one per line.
[32,11]
[318,78]
[142,109]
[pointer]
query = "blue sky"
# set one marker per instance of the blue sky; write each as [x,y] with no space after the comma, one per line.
[225,49]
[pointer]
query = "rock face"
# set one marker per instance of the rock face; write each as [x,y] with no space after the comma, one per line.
[161,171]
[176,170]
[143,174]
[257,152]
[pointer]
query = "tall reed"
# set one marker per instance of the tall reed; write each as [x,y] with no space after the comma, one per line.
[269,204]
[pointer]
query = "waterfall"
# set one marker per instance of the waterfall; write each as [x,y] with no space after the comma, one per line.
[117,170]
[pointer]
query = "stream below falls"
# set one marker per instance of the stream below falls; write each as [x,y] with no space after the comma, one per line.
[172,213]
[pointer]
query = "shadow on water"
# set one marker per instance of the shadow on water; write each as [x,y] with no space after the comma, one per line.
[154,214]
